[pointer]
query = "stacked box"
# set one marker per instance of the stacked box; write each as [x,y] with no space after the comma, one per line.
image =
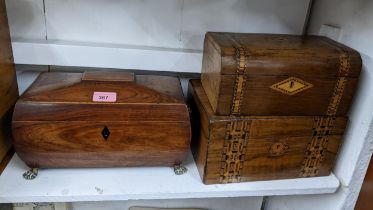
[270,106]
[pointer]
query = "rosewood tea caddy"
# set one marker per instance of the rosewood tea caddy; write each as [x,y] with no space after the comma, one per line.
[101,119]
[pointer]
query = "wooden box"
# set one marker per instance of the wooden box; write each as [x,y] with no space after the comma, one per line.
[6,151]
[263,74]
[8,85]
[103,119]
[231,149]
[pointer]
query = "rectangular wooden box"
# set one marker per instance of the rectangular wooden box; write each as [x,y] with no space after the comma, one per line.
[264,74]
[231,149]
[8,84]
[101,119]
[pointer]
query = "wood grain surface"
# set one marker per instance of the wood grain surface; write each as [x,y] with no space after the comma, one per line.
[240,70]
[58,87]
[112,77]
[56,124]
[8,82]
[247,148]
[80,144]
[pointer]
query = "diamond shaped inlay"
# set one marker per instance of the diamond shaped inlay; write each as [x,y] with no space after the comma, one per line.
[291,86]
[105,132]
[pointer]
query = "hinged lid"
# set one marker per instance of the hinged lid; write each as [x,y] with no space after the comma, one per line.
[57,87]
[270,54]
[104,96]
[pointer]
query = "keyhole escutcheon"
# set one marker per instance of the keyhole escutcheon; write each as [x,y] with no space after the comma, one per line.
[105,133]
[291,84]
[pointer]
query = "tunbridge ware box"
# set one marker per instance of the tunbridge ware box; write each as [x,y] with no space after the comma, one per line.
[270,106]
[101,119]
[269,74]
[230,149]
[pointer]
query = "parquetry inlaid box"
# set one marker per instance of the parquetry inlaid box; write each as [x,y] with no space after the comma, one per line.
[101,119]
[264,74]
[231,149]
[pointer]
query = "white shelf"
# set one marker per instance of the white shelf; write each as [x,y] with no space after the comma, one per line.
[68,185]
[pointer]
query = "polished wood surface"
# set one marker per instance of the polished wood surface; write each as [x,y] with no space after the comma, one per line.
[306,55]
[51,87]
[8,82]
[247,148]
[241,70]
[259,99]
[80,144]
[56,123]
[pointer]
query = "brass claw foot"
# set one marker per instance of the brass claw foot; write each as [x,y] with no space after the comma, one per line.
[180,170]
[31,174]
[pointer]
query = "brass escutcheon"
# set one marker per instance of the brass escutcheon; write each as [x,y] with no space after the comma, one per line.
[278,149]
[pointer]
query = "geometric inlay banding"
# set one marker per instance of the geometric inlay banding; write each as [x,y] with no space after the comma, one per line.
[234,150]
[317,146]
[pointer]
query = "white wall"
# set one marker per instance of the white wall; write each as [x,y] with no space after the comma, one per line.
[168,35]
[355,19]
[26,19]
[138,34]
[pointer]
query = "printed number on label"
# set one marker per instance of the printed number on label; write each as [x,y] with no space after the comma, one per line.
[104,97]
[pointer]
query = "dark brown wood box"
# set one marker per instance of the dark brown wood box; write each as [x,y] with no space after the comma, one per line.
[56,123]
[264,74]
[8,86]
[231,149]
